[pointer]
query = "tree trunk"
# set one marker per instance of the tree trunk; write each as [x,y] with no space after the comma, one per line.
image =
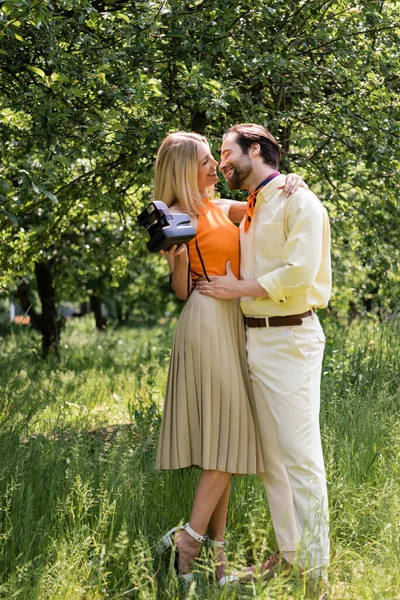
[95,306]
[118,311]
[199,122]
[49,325]
[27,307]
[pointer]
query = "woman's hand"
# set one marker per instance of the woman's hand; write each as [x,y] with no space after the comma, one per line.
[173,251]
[178,261]
[292,184]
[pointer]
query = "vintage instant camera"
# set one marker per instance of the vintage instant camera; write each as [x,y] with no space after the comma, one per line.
[165,229]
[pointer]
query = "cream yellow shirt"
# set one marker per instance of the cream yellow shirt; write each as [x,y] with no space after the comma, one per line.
[287,249]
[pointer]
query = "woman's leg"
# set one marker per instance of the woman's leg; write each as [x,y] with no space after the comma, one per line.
[216,530]
[211,497]
[211,487]
[217,523]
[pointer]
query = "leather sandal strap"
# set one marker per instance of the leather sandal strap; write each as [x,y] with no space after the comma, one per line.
[196,536]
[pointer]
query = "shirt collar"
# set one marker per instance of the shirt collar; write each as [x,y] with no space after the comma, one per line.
[267,180]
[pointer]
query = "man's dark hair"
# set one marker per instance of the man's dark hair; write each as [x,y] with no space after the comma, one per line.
[248,134]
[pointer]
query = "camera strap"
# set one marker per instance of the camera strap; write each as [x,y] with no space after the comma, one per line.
[201,260]
[190,271]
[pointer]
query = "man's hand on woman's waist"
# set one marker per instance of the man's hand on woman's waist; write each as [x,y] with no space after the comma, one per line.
[228,286]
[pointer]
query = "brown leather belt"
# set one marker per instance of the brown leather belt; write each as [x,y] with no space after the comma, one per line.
[286,321]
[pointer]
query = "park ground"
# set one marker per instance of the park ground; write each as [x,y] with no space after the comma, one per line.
[81,505]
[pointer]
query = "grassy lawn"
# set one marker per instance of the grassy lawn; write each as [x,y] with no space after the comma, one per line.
[82,506]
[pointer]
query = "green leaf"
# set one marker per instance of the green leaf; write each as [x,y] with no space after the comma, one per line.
[37,71]
[78,93]
[234,94]
[215,84]
[18,37]
[123,16]
[61,159]
[59,77]
[13,218]
[48,194]
[7,7]
[40,189]
[93,128]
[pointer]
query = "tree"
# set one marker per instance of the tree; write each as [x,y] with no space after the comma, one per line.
[89,89]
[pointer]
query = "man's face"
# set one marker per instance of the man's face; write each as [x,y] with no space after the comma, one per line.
[235,164]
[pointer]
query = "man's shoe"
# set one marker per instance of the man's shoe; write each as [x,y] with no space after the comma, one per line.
[273,566]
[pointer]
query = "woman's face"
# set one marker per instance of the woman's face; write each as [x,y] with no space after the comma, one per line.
[207,169]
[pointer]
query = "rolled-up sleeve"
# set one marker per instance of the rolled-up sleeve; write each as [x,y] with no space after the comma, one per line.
[308,238]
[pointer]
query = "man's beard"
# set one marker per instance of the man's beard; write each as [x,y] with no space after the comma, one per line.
[240,174]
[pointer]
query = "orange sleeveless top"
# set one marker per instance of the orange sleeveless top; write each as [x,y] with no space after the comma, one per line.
[218,241]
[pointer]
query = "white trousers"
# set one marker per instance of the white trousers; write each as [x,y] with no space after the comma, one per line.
[285,369]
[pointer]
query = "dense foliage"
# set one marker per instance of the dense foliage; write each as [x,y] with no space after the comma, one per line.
[89,89]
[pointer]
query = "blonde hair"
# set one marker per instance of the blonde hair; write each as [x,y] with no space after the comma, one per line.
[176,170]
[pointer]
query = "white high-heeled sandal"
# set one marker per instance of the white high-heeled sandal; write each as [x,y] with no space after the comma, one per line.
[167,541]
[226,578]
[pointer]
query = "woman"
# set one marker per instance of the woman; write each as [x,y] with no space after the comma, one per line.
[208,411]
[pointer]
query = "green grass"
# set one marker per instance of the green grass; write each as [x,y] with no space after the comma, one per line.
[80,513]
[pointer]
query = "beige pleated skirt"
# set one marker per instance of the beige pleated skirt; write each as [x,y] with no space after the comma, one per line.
[209,414]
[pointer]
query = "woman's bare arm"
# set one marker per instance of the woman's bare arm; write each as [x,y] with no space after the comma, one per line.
[234,209]
[178,263]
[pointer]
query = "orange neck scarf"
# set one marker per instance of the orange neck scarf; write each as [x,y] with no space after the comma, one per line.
[251,200]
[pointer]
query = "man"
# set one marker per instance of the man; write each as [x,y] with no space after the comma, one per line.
[285,275]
